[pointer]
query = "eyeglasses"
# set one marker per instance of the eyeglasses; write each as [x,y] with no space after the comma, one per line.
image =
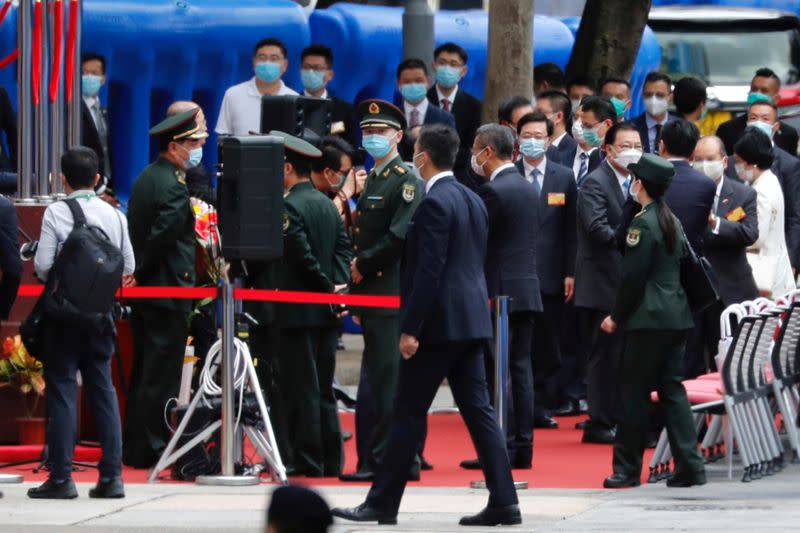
[454,63]
[315,68]
[273,57]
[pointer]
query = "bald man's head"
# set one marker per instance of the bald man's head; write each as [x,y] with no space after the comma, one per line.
[185,105]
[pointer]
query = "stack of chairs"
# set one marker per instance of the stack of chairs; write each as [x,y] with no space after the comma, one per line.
[759,360]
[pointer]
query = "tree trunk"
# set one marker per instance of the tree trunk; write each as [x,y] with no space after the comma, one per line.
[509,69]
[608,38]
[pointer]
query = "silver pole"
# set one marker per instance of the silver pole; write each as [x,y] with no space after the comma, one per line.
[501,361]
[418,30]
[57,112]
[42,115]
[74,106]
[24,101]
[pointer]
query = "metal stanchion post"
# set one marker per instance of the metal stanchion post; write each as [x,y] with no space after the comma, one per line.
[74,105]
[43,115]
[25,101]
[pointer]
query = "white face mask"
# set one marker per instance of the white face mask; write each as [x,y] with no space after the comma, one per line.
[746,174]
[635,193]
[627,157]
[655,106]
[575,105]
[712,169]
[577,131]
[476,168]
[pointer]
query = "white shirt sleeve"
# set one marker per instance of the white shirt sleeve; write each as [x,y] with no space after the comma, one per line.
[224,126]
[48,246]
[127,249]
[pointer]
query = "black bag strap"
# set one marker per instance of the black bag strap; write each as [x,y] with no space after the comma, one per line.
[77,213]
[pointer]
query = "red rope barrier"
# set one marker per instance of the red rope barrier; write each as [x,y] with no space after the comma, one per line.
[10,58]
[72,30]
[4,11]
[36,48]
[58,47]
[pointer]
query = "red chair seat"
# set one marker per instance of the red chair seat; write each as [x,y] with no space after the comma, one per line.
[709,377]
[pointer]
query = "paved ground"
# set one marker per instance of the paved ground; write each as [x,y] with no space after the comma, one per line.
[722,505]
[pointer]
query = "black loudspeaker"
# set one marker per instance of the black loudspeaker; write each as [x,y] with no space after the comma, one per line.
[251,197]
[296,115]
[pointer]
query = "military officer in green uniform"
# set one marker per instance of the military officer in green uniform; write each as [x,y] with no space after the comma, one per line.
[391,194]
[162,234]
[316,257]
[652,306]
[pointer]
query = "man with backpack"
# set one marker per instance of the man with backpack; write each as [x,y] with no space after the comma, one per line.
[84,255]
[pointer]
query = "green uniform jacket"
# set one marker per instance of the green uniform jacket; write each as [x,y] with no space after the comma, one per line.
[161,226]
[316,254]
[651,295]
[384,210]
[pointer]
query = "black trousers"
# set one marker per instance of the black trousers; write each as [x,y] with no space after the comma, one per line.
[546,356]
[572,370]
[463,365]
[68,351]
[159,344]
[603,354]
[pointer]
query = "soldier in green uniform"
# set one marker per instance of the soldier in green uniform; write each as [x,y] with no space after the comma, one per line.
[162,234]
[384,209]
[652,306]
[316,257]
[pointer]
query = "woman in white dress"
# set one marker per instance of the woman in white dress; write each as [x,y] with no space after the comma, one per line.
[769,256]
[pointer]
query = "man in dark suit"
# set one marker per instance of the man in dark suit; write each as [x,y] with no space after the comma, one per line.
[555,252]
[316,72]
[95,129]
[450,66]
[512,204]
[444,323]
[598,270]
[556,107]
[10,262]
[765,86]
[657,95]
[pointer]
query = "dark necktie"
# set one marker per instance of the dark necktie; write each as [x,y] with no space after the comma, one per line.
[654,148]
[535,174]
[446,104]
[584,165]
[414,118]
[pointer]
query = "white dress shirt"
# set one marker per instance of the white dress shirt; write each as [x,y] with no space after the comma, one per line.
[451,98]
[421,107]
[556,142]
[651,129]
[241,108]
[576,164]
[715,229]
[436,178]
[529,170]
[621,178]
[499,169]
[323,95]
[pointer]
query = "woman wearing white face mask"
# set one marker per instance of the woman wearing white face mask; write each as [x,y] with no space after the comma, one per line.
[769,256]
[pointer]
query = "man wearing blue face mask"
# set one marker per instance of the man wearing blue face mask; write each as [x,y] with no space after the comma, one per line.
[241,106]
[94,116]
[316,72]
[618,91]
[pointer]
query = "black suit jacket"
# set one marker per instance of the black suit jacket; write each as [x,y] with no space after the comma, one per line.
[641,124]
[10,262]
[726,250]
[91,138]
[512,204]
[342,114]
[690,197]
[8,124]
[557,241]
[433,115]
[564,153]
[598,261]
[466,109]
[731,131]
[443,295]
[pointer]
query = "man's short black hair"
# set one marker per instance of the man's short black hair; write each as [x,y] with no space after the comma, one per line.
[655,76]
[765,72]
[270,41]
[680,137]
[411,63]
[581,80]
[93,56]
[549,73]
[688,94]
[559,101]
[300,163]
[600,106]
[755,147]
[536,116]
[318,50]
[614,79]
[440,142]
[509,105]
[80,167]
[768,103]
[611,134]
[451,48]
[332,148]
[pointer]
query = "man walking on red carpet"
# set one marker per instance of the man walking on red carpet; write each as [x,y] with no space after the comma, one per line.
[444,320]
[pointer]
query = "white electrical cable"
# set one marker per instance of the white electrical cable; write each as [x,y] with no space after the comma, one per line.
[211,368]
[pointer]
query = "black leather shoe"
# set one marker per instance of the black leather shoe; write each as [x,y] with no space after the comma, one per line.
[598,435]
[49,490]
[687,480]
[583,406]
[111,488]
[358,476]
[620,481]
[522,463]
[567,409]
[424,464]
[582,425]
[346,436]
[364,513]
[494,516]
[545,422]
[470,464]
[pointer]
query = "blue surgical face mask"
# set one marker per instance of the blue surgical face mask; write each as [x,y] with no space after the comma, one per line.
[447,76]
[532,148]
[195,156]
[90,84]
[313,80]
[619,106]
[268,71]
[592,137]
[376,145]
[414,92]
[763,126]
[753,97]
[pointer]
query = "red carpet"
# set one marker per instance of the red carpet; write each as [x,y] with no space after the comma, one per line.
[559,461]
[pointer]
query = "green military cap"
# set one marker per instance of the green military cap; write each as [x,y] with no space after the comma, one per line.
[296,144]
[653,169]
[179,127]
[380,114]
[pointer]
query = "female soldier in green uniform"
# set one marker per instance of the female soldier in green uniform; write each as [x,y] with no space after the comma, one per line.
[652,307]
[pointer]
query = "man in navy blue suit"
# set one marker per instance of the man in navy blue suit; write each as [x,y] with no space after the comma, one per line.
[555,253]
[444,323]
[657,95]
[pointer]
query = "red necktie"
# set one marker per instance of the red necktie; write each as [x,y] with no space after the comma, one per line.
[446,104]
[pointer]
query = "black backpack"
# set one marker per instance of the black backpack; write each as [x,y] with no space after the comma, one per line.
[82,285]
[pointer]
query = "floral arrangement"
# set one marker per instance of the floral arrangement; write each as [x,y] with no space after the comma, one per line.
[22,371]
[206,232]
